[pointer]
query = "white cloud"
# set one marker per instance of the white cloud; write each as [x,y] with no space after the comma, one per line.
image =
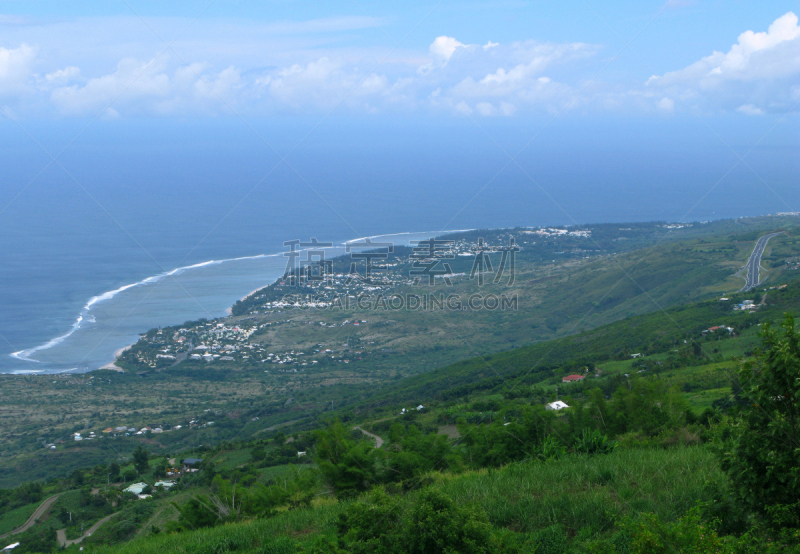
[16,65]
[62,76]
[226,84]
[666,104]
[443,47]
[749,109]
[133,80]
[488,109]
[323,83]
[508,78]
[79,66]
[463,108]
[758,70]
[485,108]
[441,50]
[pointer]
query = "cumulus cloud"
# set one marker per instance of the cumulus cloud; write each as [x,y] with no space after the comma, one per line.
[443,47]
[322,83]
[16,65]
[757,75]
[156,87]
[505,79]
[63,76]
[132,80]
[666,104]
[759,70]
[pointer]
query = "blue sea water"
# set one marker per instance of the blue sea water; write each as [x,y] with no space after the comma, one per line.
[150,223]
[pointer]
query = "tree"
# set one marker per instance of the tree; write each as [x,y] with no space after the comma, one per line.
[258,453]
[78,478]
[349,467]
[37,539]
[761,458]
[141,459]
[432,522]
[113,470]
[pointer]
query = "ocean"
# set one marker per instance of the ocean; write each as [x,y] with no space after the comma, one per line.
[152,223]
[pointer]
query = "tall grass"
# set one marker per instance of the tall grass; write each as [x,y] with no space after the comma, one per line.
[589,494]
[584,496]
[276,535]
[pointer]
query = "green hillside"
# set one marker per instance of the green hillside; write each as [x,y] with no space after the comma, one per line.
[647,456]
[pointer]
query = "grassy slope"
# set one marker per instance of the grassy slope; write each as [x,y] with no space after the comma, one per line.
[583,496]
[649,333]
[601,290]
[17,517]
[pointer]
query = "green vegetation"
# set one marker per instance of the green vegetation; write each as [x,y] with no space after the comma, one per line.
[762,460]
[15,517]
[679,435]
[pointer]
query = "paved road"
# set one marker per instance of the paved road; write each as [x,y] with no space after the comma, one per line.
[378,440]
[34,517]
[752,277]
[61,534]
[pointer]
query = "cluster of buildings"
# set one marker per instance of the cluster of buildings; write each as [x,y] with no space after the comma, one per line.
[746,306]
[718,328]
[223,340]
[124,431]
[675,225]
[555,232]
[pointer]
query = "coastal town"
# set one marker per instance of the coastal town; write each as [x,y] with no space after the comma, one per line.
[327,295]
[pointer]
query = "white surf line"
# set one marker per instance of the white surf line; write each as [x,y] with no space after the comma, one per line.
[431,233]
[26,355]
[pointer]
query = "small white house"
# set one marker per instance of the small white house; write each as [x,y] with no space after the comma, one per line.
[10,547]
[136,488]
[557,405]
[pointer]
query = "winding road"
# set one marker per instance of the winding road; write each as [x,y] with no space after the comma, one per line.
[378,440]
[753,265]
[61,534]
[34,517]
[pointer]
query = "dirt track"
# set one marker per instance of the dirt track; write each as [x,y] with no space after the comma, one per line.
[378,440]
[61,534]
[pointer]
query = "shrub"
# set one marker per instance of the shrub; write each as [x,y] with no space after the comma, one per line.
[380,524]
[591,442]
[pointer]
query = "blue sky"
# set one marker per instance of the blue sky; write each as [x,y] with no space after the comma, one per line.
[580,100]
[421,59]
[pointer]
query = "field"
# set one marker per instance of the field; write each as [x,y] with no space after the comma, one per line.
[574,500]
[645,319]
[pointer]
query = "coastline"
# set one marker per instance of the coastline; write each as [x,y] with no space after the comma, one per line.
[229,309]
[253,268]
[113,366]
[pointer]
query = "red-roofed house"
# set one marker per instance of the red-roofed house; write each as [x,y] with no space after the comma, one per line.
[572,378]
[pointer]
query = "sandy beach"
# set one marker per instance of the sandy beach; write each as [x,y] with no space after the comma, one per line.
[114,367]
